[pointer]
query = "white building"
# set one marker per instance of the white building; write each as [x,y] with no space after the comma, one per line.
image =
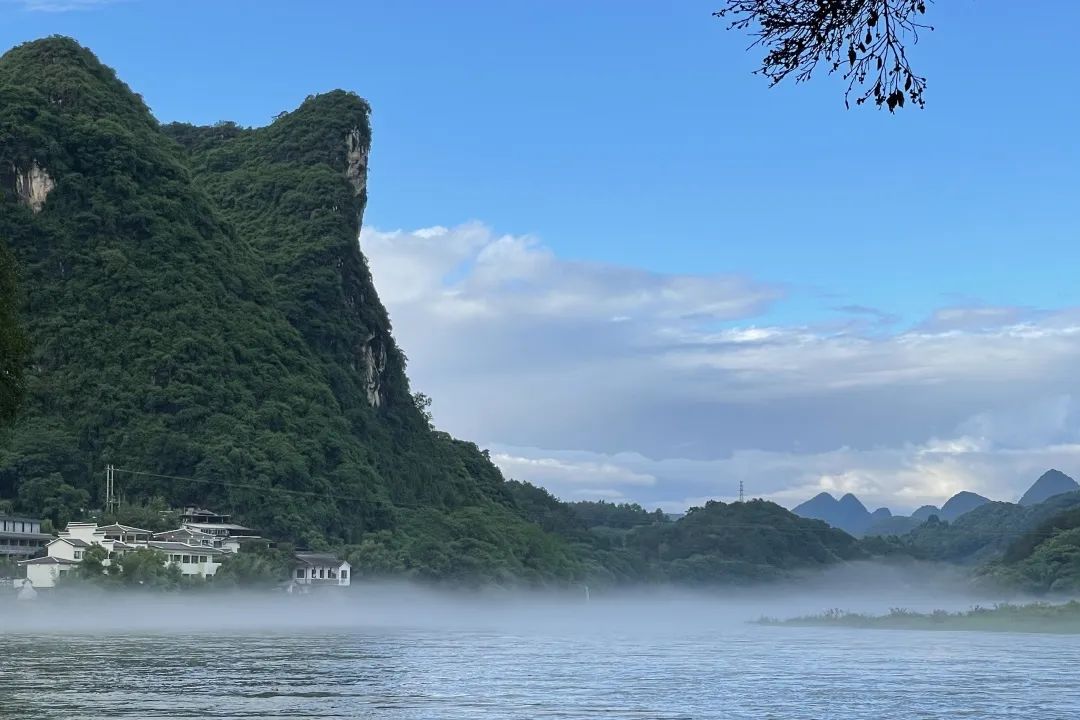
[184,548]
[21,537]
[228,535]
[43,572]
[315,569]
[193,560]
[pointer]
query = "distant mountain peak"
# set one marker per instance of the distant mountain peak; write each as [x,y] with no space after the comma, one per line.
[961,503]
[852,503]
[1050,483]
[848,513]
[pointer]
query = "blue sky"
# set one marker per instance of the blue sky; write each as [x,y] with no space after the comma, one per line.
[626,146]
[634,131]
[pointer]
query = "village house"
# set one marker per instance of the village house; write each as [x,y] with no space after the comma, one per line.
[321,569]
[21,537]
[229,536]
[193,560]
[43,572]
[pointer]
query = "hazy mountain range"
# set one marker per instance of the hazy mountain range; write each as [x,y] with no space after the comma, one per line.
[849,514]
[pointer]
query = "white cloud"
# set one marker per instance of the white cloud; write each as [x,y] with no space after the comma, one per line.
[626,375]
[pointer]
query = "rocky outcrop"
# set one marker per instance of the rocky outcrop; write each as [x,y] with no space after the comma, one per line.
[373,361]
[32,186]
[356,160]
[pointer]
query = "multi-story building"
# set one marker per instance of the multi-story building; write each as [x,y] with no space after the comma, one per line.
[228,535]
[21,537]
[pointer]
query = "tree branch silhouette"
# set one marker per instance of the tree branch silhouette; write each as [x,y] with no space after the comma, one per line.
[866,40]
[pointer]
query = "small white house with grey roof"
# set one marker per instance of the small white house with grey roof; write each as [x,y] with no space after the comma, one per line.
[67,548]
[43,572]
[320,569]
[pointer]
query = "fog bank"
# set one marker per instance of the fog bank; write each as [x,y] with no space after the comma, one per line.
[666,610]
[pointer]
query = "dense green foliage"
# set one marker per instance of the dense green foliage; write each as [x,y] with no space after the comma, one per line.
[143,568]
[984,533]
[1035,617]
[622,516]
[255,567]
[750,540]
[12,339]
[1044,559]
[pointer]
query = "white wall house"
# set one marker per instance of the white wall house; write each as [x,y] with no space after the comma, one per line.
[311,569]
[193,560]
[43,572]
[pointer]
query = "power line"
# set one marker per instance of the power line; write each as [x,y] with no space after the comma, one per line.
[409,506]
[264,488]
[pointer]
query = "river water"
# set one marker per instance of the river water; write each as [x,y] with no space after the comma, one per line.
[207,658]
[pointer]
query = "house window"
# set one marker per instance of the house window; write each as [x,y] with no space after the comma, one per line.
[78,554]
[332,574]
[344,574]
[202,558]
[322,573]
[187,559]
[300,574]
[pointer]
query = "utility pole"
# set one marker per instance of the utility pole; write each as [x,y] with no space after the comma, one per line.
[740,491]
[111,502]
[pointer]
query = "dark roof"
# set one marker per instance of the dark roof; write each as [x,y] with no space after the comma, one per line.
[123,528]
[48,561]
[18,518]
[188,532]
[184,547]
[314,558]
[221,526]
[73,541]
[25,535]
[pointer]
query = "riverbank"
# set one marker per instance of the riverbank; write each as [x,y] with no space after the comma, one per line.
[1005,617]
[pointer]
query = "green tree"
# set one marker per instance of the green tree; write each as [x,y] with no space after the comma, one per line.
[93,564]
[153,514]
[148,568]
[12,340]
[254,568]
[51,498]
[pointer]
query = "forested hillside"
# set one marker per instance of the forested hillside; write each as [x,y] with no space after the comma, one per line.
[235,339]
[197,310]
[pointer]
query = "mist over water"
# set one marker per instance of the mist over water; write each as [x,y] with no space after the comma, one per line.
[401,651]
[861,587]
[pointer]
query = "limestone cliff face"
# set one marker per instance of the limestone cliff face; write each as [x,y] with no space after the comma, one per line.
[310,238]
[356,161]
[32,185]
[372,353]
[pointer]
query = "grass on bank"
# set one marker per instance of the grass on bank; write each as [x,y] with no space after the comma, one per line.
[1004,617]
